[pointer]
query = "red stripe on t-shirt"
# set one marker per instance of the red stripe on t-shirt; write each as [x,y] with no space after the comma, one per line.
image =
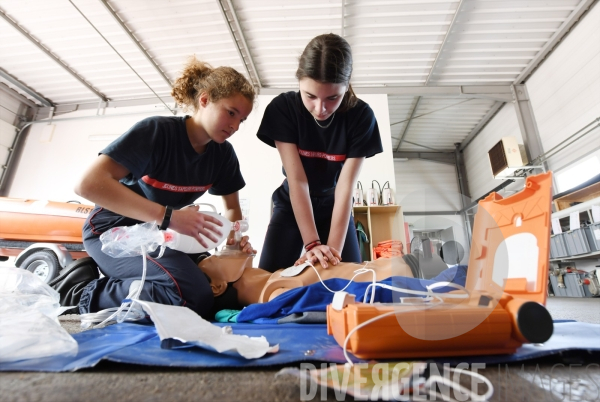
[173,187]
[322,155]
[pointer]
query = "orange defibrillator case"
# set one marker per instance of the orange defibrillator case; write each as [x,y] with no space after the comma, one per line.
[506,285]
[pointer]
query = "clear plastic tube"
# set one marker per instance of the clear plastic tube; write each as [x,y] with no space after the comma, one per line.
[138,240]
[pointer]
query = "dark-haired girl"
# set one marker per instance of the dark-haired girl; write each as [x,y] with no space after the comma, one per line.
[323,133]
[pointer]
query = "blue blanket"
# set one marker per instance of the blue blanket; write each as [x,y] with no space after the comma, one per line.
[316,298]
[140,344]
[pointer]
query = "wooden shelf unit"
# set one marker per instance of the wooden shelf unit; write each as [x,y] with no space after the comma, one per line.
[381,222]
[588,193]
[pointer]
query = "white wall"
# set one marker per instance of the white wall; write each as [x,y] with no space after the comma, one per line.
[430,186]
[479,171]
[565,91]
[50,165]
[565,96]
[380,167]
[426,186]
[49,168]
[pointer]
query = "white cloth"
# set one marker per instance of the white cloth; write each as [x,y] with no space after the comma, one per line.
[182,324]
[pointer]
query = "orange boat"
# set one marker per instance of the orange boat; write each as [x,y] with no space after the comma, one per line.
[44,236]
[42,221]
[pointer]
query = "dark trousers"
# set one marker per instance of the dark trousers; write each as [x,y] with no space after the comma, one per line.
[173,279]
[283,242]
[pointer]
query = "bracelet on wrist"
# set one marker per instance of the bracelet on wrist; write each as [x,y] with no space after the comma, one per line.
[312,245]
[167,218]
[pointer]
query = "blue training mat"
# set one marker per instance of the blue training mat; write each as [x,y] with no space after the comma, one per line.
[140,344]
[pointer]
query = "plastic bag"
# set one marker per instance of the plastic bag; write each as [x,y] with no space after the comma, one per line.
[29,311]
[128,241]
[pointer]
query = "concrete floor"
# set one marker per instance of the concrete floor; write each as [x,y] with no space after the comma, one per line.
[574,308]
[566,378]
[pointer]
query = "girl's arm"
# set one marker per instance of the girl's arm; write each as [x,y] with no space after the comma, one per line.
[231,203]
[343,202]
[100,184]
[300,198]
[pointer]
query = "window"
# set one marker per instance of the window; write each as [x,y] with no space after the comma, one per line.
[577,174]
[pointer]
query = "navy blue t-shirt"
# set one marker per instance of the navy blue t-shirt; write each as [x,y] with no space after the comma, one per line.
[352,134]
[165,168]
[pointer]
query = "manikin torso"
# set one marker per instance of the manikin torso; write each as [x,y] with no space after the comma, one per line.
[255,285]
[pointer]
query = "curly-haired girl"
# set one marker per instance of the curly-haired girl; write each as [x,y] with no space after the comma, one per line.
[151,173]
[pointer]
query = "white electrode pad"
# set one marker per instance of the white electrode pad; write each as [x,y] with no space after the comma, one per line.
[295,271]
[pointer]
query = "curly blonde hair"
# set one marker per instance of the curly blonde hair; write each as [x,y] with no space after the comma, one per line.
[219,83]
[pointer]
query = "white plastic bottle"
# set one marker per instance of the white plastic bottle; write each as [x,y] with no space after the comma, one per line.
[189,245]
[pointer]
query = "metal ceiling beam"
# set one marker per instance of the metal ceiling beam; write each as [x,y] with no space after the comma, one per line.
[463,187]
[5,89]
[527,123]
[52,56]
[558,35]
[502,92]
[495,92]
[425,146]
[437,56]
[242,47]
[136,42]
[438,91]
[408,123]
[482,123]
[440,157]
[27,90]
[68,108]
[430,112]
[118,54]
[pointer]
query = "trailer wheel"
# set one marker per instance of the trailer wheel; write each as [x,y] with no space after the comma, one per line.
[43,263]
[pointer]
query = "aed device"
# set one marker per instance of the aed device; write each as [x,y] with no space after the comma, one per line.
[507,280]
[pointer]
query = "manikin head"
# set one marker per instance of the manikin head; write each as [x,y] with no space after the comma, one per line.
[224,270]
